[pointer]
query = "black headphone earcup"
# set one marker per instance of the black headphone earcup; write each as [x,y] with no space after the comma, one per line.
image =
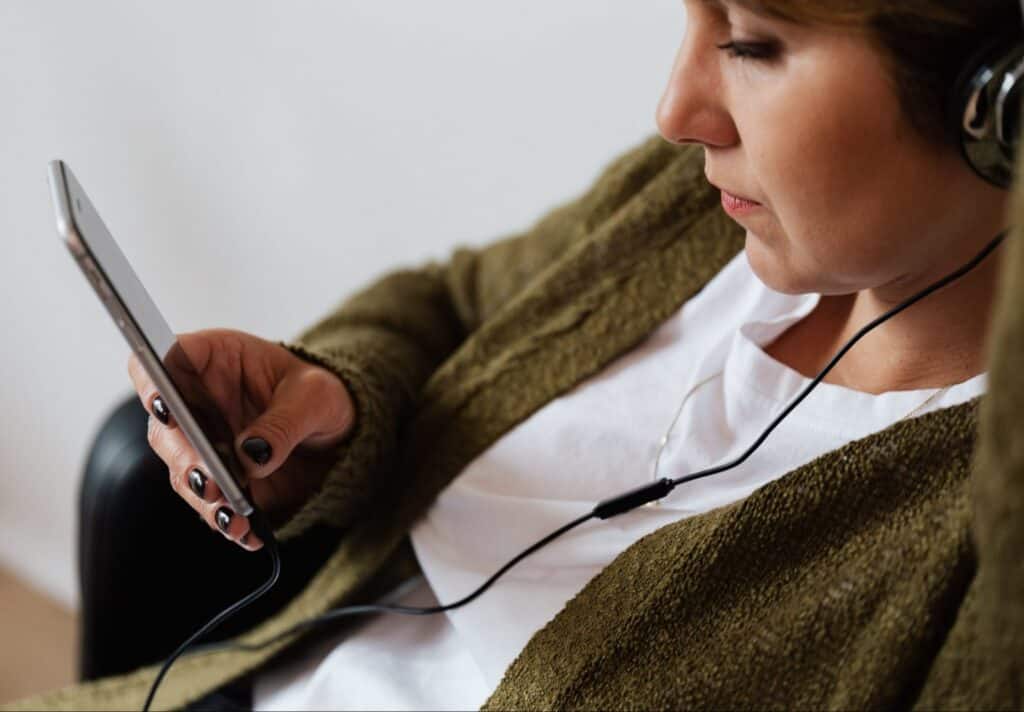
[982,113]
[958,99]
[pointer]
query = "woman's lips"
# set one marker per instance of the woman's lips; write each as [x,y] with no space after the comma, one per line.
[734,205]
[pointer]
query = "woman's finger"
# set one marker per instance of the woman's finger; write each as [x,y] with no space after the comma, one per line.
[203,495]
[189,475]
[309,406]
[147,392]
[190,479]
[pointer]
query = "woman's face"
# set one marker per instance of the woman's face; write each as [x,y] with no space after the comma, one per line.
[811,127]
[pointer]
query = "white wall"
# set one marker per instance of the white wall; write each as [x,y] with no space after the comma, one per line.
[258,161]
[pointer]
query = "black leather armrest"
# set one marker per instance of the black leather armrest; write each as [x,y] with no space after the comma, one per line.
[151,572]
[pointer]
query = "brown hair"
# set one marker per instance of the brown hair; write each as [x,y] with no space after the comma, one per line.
[927,43]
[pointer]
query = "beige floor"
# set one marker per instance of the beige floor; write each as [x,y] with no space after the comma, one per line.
[37,641]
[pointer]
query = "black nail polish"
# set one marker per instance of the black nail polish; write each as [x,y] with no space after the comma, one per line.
[160,410]
[223,518]
[197,483]
[244,541]
[258,450]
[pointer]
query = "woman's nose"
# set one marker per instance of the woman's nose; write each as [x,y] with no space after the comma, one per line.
[693,108]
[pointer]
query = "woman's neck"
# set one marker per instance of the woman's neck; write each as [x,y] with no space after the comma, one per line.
[938,341]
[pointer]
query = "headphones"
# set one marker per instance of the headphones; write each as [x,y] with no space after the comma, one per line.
[985,109]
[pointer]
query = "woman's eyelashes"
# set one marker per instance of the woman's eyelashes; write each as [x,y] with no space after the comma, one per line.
[750,50]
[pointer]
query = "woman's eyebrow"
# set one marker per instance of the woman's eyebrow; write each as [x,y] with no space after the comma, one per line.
[748,5]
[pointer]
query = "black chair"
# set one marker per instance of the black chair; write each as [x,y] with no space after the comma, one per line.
[151,572]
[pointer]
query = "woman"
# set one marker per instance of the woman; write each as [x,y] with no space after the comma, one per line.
[641,332]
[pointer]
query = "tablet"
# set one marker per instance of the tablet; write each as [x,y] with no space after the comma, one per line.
[147,333]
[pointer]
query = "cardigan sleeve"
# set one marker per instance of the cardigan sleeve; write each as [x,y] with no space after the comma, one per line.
[981,662]
[385,341]
[997,488]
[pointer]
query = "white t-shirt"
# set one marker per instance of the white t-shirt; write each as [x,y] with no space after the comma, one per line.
[596,441]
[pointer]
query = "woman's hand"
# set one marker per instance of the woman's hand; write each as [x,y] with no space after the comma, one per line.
[288,414]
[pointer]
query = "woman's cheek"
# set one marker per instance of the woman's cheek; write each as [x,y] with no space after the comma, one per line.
[773,257]
[792,249]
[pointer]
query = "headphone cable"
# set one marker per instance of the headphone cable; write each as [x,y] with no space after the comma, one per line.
[604,510]
[263,530]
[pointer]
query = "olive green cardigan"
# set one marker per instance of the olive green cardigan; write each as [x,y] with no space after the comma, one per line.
[887,573]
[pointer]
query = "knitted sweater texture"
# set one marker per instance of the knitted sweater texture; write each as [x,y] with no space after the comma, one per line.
[887,573]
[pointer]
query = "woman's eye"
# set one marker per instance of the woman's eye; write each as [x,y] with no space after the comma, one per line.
[750,50]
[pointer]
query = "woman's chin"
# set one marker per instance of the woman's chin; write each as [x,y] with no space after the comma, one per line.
[771,268]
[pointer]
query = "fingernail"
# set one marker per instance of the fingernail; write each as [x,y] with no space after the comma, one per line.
[197,482]
[224,519]
[244,541]
[258,450]
[160,410]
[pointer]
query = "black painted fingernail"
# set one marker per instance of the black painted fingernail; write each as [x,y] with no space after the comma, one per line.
[244,541]
[258,450]
[197,482]
[224,518]
[160,410]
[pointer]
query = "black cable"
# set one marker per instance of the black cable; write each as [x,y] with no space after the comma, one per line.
[842,352]
[657,490]
[263,530]
[405,610]
[604,510]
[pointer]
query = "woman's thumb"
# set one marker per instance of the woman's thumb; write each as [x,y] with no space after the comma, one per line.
[311,406]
